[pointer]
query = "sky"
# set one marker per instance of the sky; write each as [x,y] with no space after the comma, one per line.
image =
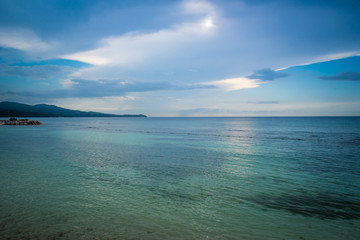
[183,58]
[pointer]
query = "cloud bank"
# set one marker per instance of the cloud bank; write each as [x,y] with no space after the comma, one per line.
[343,76]
[33,72]
[136,47]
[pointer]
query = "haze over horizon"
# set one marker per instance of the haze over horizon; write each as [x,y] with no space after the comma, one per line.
[183,58]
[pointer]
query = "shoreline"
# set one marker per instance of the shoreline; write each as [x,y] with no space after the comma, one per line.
[14,121]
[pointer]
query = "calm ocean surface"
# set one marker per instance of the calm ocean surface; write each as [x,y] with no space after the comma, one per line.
[181,178]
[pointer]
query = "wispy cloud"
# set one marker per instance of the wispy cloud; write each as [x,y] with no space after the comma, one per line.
[22,39]
[199,7]
[324,58]
[91,89]
[347,76]
[267,74]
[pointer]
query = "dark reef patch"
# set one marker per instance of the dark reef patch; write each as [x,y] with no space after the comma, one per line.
[321,205]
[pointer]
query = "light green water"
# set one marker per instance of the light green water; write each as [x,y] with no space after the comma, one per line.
[155,178]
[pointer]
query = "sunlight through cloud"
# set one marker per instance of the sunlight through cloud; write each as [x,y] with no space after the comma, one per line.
[134,48]
[233,84]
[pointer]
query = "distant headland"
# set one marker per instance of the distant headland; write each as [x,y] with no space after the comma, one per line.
[13,109]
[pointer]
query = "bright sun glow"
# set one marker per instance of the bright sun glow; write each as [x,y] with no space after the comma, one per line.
[208,23]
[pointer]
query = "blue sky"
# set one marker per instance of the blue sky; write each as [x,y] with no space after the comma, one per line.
[183,58]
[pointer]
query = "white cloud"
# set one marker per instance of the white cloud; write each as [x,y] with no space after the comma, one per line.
[134,48]
[325,58]
[233,84]
[22,39]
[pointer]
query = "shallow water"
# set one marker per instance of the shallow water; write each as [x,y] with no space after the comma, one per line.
[181,178]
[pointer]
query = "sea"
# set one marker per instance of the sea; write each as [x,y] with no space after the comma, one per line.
[181,178]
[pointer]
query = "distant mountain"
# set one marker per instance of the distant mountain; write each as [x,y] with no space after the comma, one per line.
[13,109]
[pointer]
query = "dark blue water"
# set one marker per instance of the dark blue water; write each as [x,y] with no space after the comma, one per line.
[181,178]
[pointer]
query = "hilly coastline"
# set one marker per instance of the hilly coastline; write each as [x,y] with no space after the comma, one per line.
[13,109]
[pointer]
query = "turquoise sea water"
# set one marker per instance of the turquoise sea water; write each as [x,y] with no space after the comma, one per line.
[181,178]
